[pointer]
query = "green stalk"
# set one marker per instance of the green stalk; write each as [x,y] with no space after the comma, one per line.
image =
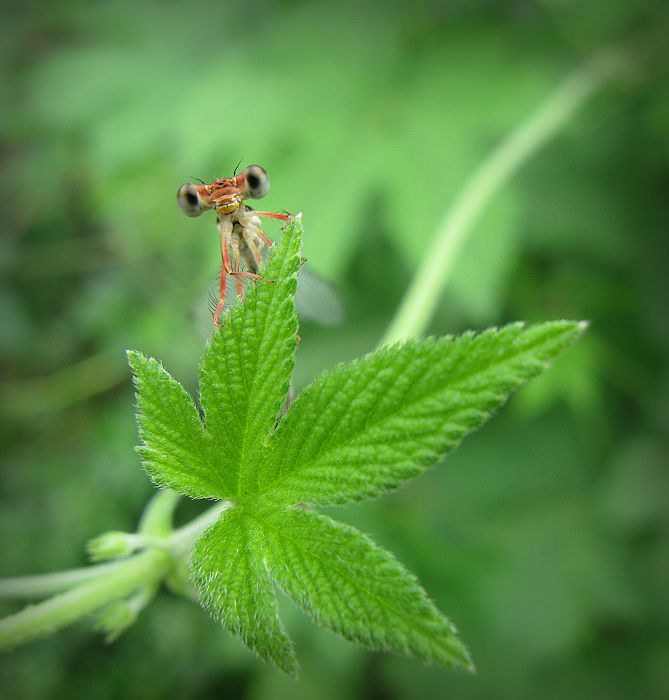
[42,585]
[438,263]
[42,619]
[95,586]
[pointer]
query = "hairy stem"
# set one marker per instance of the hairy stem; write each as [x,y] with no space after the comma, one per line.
[42,585]
[94,587]
[436,268]
[185,537]
[42,619]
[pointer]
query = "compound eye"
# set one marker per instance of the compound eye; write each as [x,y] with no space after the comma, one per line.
[189,200]
[257,181]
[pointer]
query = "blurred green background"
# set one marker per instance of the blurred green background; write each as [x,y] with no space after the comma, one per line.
[545,537]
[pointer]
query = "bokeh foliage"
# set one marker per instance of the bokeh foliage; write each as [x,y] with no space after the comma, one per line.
[546,535]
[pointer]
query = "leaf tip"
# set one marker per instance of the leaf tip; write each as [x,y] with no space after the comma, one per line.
[135,359]
[294,223]
[289,665]
[466,662]
[574,329]
[453,653]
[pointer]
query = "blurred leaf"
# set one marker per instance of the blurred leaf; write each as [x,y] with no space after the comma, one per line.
[633,496]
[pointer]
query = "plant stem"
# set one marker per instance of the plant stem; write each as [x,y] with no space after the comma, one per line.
[157,517]
[183,539]
[94,587]
[436,268]
[37,621]
[42,585]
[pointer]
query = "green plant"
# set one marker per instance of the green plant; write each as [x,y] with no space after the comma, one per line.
[356,432]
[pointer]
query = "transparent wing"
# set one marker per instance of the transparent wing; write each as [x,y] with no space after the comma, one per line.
[315,299]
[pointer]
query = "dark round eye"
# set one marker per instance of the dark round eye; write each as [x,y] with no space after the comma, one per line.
[257,181]
[189,200]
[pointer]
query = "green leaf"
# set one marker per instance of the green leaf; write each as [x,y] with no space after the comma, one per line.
[246,370]
[367,426]
[356,431]
[234,587]
[175,450]
[349,584]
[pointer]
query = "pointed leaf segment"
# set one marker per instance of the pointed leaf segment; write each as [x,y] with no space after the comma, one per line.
[246,370]
[366,427]
[347,583]
[234,587]
[176,451]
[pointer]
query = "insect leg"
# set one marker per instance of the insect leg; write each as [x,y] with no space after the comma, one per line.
[225,229]
[250,233]
[252,262]
[273,215]
[234,247]
[250,276]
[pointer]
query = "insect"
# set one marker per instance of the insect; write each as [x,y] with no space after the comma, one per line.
[243,241]
[238,225]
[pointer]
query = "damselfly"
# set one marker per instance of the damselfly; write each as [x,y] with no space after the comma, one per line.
[244,245]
